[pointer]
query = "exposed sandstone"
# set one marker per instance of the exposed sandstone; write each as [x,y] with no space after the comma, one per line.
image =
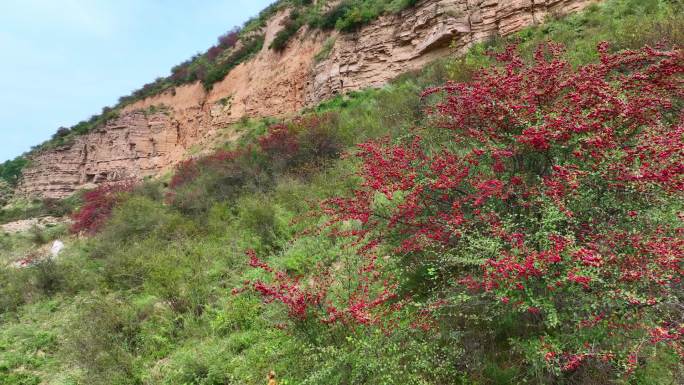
[435,28]
[140,143]
[132,146]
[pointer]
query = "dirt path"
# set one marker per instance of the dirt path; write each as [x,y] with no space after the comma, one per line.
[27,224]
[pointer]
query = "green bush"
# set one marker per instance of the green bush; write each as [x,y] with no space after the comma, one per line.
[290,29]
[179,275]
[42,235]
[102,340]
[324,53]
[328,20]
[23,350]
[205,365]
[19,209]
[152,189]
[140,217]
[10,170]
[263,220]
[12,290]
[20,286]
[139,230]
[6,192]
[220,70]
[48,277]
[350,15]
[376,358]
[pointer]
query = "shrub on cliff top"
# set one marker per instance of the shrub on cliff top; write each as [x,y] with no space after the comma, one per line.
[289,30]
[230,38]
[220,70]
[10,170]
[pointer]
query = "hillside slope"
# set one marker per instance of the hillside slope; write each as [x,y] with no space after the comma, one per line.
[247,259]
[229,270]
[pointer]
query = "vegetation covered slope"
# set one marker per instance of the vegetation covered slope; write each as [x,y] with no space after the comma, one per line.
[249,260]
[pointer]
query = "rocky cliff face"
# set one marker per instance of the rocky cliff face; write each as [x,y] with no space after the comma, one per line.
[434,29]
[154,134]
[135,145]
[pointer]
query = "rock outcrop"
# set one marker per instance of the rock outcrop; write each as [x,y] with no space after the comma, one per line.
[434,28]
[132,146]
[152,135]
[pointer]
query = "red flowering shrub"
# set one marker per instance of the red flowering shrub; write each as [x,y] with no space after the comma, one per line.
[200,182]
[180,73]
[226,41]
[230,38]
[280,143]
[188,170]
[286,148]
[550,190]
[98,205]
[304,140]
[214,52]
[350,296]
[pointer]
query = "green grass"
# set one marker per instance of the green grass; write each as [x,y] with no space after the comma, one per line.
[20,208]
[324,53]
[148,301]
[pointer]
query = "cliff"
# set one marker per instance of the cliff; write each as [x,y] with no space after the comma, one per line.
[152,135]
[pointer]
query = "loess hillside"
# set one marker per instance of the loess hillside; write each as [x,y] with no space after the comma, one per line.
[385,192]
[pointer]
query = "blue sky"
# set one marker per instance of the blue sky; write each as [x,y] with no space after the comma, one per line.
[61,61]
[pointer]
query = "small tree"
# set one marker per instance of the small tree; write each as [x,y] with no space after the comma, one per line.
[230,38]
[61,133]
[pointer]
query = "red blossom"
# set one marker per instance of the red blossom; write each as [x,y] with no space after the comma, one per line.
[528,139]
[370,301]
[528,142]
[98,205]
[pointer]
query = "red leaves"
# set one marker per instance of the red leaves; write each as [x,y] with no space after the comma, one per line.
[588,257]
[190,169]
[288,291]
[230,38]
[225,42]
[366,299]
[597,144]
[658,158]
[546,180]
[97,206]
[279,142]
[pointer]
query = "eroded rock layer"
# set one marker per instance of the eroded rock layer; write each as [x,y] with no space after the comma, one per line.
[433,29]
[152,135]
